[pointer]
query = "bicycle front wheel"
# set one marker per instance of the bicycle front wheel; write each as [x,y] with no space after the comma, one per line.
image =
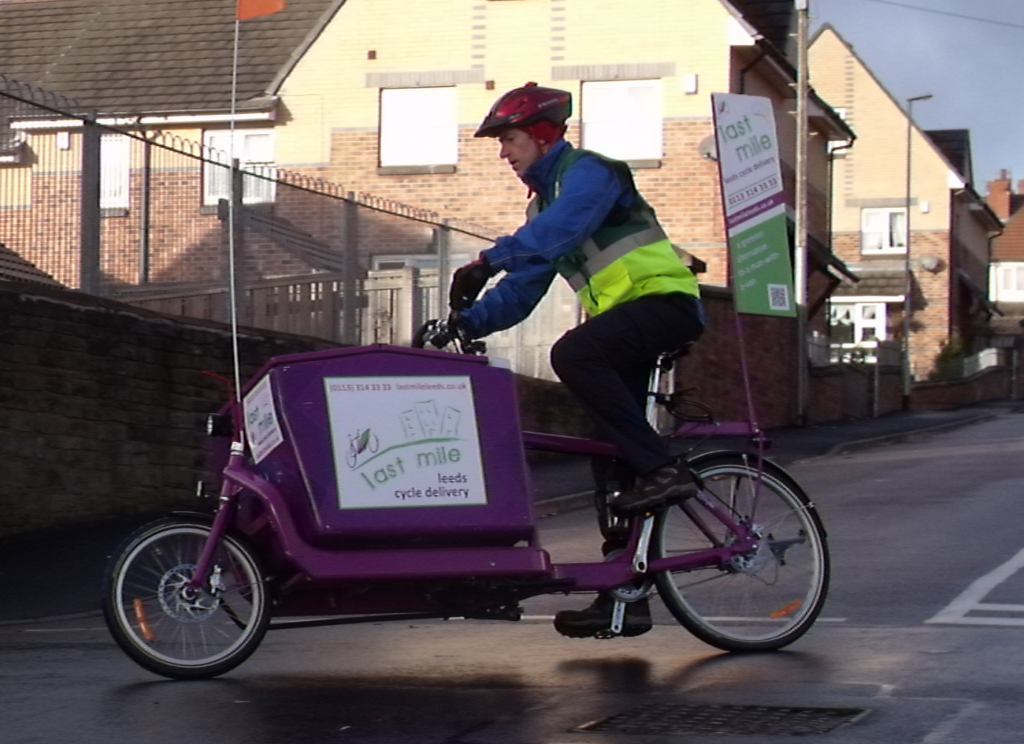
[761,600]
[172,629]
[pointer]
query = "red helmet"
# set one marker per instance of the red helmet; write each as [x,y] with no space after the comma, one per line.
[524,106]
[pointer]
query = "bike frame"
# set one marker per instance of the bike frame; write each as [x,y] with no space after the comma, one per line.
[320,566]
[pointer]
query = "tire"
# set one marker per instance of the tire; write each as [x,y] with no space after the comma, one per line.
[161,628]
[757,602]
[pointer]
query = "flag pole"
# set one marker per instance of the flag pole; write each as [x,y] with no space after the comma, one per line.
[244,10]
[232,289]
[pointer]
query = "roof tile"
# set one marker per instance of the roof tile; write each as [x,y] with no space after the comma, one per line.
[151,48]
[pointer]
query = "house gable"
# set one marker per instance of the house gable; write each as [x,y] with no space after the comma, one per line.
[1009,205]
[151,57]
[874,173]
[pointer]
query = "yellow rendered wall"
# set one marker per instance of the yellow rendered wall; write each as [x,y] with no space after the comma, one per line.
[511,41]
[876,166]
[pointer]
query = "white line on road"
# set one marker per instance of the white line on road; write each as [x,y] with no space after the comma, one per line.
[958,611]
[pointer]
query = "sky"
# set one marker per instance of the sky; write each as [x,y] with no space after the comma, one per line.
[966,53]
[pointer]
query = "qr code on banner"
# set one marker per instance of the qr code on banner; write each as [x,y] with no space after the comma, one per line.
[778,297]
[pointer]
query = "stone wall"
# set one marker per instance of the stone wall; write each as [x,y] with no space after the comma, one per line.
[102,404]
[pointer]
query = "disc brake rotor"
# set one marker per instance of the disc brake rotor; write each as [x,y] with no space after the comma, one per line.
[180,601]
[756,560]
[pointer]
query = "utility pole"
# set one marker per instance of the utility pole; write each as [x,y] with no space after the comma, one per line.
[800,218]
[908,274]
[89,280]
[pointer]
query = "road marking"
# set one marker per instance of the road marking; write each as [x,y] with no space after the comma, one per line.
[959,611]
[549,618]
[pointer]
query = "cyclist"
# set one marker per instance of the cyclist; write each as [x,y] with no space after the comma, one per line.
[588,222]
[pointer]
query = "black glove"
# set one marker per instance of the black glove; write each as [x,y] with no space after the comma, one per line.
[436,333]
[467,282]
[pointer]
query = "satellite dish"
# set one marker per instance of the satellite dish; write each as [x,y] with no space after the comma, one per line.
[708,148]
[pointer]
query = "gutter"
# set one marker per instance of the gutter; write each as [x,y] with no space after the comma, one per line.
[142,121]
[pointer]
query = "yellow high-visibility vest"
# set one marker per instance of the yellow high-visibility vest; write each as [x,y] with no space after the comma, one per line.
[619,262]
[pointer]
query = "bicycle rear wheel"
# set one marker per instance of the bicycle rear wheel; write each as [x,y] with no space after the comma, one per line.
[759,601]
[171,629]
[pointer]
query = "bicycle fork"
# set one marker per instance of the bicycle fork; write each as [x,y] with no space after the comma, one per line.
[221,521]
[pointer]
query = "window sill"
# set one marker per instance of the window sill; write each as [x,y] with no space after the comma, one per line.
[113,212]
[221,208]
[639,164]
[413,170]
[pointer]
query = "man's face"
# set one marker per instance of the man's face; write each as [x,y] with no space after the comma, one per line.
[519,149]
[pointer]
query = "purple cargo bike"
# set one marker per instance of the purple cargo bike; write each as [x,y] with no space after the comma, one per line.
[379,482]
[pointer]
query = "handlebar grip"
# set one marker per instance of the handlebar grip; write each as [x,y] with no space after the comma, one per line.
[426,333]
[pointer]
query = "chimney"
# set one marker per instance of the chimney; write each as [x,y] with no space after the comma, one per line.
[999,193]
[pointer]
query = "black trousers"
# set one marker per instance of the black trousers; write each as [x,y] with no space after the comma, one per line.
[607,361]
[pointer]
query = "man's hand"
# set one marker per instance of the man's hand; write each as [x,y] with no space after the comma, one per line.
[467,282]
[436,333]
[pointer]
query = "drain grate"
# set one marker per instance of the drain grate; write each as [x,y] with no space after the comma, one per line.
[675,720]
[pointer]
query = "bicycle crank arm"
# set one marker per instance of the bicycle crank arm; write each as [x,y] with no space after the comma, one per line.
[643,545]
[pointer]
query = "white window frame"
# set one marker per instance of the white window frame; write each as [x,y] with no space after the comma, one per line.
[254,150]
[115,171]
[883,230]
[869,319]
[1007,281]
[419,127]
[623,118]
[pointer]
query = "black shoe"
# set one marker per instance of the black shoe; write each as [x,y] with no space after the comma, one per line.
[670,482]
[596,620]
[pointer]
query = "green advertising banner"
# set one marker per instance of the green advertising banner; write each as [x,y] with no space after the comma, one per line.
[754,204]
[762,276]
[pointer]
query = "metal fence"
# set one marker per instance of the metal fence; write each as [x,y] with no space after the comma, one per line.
[163,221]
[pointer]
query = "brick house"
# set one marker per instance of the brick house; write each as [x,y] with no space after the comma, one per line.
[640,73]
[156,71]
[383,97]
[1006,278]
[951,226]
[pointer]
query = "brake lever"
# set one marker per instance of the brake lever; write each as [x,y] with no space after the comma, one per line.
[475,347]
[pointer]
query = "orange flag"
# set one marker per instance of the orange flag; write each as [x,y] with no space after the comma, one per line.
[255,8]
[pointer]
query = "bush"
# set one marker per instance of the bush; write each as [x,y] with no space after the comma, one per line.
[949,361]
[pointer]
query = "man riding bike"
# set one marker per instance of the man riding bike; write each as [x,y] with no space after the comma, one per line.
[588,222]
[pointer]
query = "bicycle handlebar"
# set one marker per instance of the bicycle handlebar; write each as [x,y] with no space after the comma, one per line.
[443,333]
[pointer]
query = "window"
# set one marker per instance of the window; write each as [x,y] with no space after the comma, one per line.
[622,118]
[115,171]
[883,231]
[1008,282]
[858,322]
[418,127]
[254,149]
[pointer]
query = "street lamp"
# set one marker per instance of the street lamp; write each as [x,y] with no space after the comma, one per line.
[908,283]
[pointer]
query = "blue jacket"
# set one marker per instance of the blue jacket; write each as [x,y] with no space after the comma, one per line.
[589,191]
